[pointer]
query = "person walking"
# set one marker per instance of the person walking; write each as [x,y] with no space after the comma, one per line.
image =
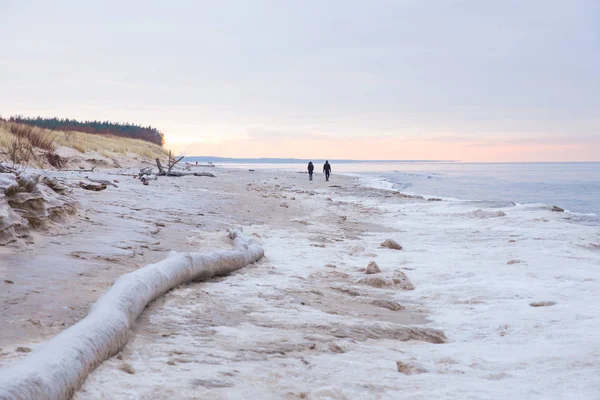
[311,169]
[327,170]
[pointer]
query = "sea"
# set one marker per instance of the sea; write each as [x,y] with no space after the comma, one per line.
[574,187]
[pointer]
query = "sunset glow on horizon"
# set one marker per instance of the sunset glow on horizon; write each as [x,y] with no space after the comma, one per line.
[455,149]
[429,79]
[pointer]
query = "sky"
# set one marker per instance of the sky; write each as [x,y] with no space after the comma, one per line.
[469,80]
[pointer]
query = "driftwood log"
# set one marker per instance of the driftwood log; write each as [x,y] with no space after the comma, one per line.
[172,162]
[60,366]
[184,173]
[80,170]
[102,181]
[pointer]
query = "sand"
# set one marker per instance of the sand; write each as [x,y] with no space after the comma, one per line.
[303,322]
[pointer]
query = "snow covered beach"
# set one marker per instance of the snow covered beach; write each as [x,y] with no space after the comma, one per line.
[513,289]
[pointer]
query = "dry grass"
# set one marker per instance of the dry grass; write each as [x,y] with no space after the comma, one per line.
[105,145]
[16,147]
[13,135]
[38,138]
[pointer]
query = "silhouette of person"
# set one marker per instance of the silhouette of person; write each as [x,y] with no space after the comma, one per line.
[311,169]
[327,170]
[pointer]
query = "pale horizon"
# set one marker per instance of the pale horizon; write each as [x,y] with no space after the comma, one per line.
[472,81]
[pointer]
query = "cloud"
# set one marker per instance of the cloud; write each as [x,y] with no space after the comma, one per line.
[371,78]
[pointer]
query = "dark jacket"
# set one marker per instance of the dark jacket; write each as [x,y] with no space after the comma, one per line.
[311,168]
[327,167]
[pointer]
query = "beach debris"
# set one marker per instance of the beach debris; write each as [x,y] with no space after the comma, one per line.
[391,244]
[81,169]
[434,199]
[321,245]
[300,221]
[22,349]
[330,266]
[5,169]
[372,268]
[102,181]
[557,209]
[127,368]
[409,368]
[182,173]
[9,282]
[284,205]
[171,163]
[542,303]
[145,171]
[334,348]
[511,262]
[92,186]
[390,305]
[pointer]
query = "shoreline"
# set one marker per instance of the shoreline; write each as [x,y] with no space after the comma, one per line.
[290,325]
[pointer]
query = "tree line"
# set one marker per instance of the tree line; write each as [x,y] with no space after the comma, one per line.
[128,130]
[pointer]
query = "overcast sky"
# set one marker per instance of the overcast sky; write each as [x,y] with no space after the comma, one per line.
[481,80]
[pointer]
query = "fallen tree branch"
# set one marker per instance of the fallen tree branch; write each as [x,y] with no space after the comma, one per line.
[122,174]
[183,173]
[79,170]
[102,181]
[5,169]
[172,164]
[145,171]
[58,368]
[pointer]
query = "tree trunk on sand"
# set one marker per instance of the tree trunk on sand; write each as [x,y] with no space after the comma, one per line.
[60,366]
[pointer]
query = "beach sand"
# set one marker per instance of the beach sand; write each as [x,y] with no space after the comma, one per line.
[307,321]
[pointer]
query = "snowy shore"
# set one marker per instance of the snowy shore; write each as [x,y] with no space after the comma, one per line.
[513,289]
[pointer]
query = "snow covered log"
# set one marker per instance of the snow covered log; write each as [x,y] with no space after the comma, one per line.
[59,367]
